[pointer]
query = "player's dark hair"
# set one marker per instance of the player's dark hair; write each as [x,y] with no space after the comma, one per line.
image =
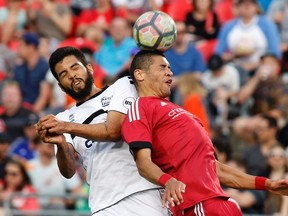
[142,61]
[60,53]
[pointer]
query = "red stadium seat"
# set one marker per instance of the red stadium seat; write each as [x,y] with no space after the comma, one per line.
[178,9]
[224,10]
[206,48]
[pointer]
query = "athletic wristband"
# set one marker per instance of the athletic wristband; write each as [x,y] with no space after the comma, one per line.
[163,179]
[260,183]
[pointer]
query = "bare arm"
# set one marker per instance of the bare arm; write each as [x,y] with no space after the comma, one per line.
[109,130]
[62,21]
[247,90]
[10,26]
[65,153]
[231,177]
[43,99]
[234,178]
[150,171]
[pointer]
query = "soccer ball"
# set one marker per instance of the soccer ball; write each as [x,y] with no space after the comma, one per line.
[154,30]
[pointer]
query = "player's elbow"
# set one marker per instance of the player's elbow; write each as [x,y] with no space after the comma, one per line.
[114,136]
[68,173]
[68,176]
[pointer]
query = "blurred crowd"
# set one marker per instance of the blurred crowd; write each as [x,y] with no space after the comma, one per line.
[230,66]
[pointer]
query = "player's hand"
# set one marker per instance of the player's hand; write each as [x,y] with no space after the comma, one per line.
[52,124]
[278,187]
[173,192]
[51,137]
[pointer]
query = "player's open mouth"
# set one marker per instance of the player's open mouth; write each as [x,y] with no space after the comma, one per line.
[169,81]
[76,83]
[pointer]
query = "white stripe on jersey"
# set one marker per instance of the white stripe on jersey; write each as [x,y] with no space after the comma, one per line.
[133,112]
[198,209]
[137,109]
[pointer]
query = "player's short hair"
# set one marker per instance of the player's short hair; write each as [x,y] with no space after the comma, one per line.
[62,52]
[142,61]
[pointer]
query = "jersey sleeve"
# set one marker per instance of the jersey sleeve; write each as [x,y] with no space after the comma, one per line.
[62,116]
[124,94]
[137,127]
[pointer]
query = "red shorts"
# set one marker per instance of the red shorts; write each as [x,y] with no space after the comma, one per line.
[214,207]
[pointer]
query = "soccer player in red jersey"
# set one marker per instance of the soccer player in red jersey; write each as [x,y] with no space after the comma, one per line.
[172,149]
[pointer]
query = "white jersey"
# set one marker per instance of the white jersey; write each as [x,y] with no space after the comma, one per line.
[111,170]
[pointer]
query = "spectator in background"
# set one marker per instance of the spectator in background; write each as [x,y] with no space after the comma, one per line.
[32,71]
[12,21]
[183,57]
[202,22]
[278,12]
[277,168]
[255,156]
[95,35]
[52,19]
[8,60]
[15,113]
[265,92]
[17,180]
[223,149]
[99,17]
[131,10]
[24,148]
[77,6]
[250,201]
[115,51]
[52,186]
[53,99]
[266,77]
[223,84]
[5,141]
[193,94]
[246,38]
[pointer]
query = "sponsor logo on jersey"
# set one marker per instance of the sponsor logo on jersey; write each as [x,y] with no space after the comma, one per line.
[128,102]
[174,113]
[163,103]
[71,118]
[106,101]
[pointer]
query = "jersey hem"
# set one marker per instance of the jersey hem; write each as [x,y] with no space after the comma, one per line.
[158,188]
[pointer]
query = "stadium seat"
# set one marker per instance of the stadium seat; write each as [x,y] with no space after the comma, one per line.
[206,48]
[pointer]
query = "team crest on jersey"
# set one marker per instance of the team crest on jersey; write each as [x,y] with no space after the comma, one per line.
[128,102]
[106,101]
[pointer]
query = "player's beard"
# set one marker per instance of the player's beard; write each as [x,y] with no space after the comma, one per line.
[84,92]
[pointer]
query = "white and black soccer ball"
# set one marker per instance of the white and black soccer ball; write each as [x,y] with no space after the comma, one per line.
[154,30]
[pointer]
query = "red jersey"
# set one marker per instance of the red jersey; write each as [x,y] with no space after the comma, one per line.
[180,146]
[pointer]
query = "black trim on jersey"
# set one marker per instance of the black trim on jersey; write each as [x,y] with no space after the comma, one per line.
[138,145]
[130,80]
[91,117]
[95,95]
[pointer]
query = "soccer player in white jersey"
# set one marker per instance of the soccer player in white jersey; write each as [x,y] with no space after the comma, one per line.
[116,187]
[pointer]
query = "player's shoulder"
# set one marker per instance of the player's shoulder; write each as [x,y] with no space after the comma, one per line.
[149,101]
[64,115]
[126,80]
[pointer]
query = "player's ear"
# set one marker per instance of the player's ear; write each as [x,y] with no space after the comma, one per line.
[90,68]
[138,74]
